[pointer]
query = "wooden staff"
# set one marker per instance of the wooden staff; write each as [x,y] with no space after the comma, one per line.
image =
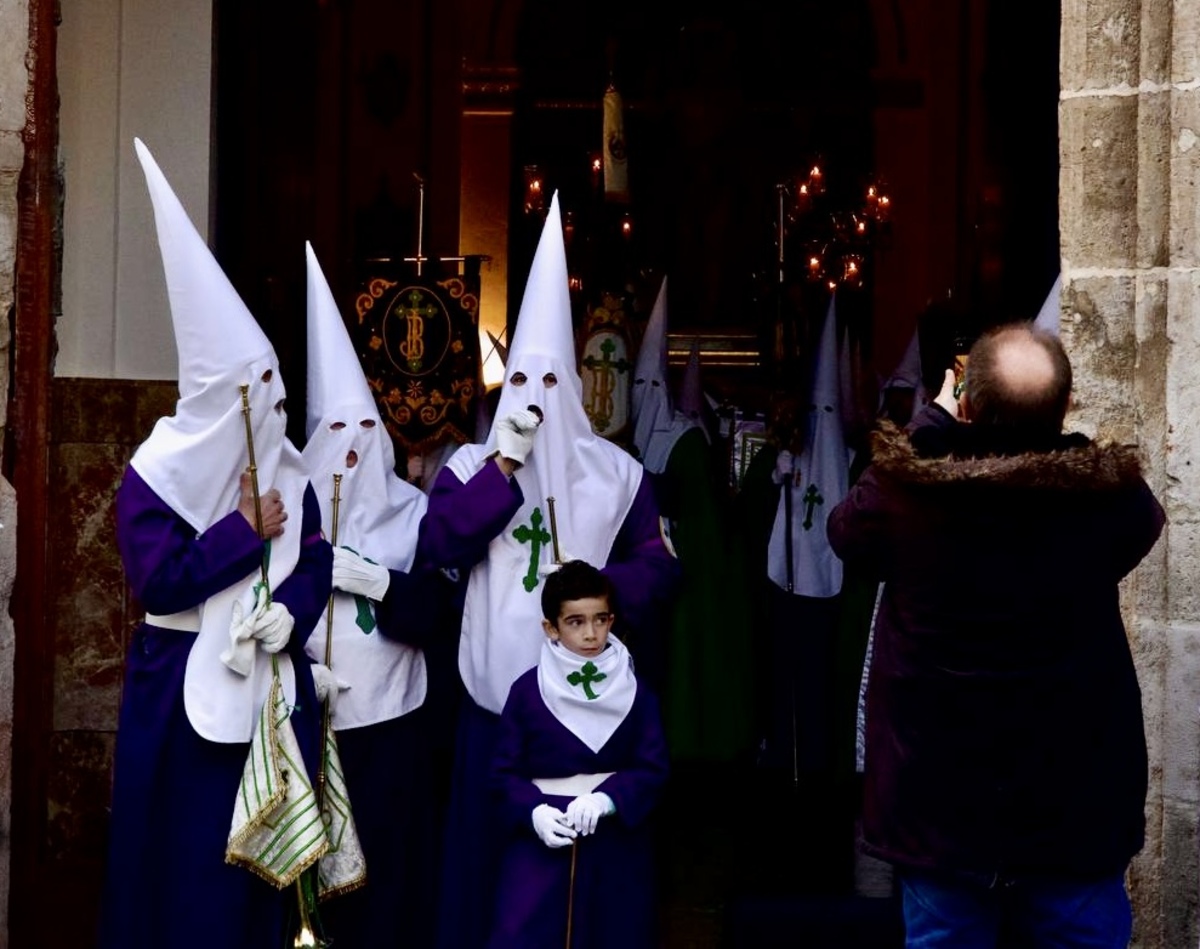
[571,889]
[554,530]
[253,469]
[325,714]
[306,937]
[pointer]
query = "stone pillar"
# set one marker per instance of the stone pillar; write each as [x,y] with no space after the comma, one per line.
[1129,140]
[14,83]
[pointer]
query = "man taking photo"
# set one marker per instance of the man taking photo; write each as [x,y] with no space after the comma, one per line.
[1006,768]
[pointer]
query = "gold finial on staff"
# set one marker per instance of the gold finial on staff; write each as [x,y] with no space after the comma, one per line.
[253,469]
[554,530]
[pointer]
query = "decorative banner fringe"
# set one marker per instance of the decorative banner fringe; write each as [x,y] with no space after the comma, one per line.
[277,830]
[344,867]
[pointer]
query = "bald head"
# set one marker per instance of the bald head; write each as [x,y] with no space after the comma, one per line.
[1018,377]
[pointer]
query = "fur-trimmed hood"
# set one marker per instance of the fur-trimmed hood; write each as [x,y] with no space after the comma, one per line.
[1072,463]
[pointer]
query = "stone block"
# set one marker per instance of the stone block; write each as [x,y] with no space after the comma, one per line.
[14,74]
[1166,19]
[1101,44]
[1181,189]
[1179,897]
[1098,332]
[1180,751]
[87,585]
[78,792]
[1099,179]
[1183,569]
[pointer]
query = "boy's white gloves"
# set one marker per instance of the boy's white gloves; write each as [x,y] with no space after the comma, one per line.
[585,811]
[328,685]
[268,622]
[550,824]
[514,435]
[353,573]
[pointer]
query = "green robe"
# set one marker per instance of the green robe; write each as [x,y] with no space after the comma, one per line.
[708,699]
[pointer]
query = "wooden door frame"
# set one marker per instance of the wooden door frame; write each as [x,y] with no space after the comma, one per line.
[26,465]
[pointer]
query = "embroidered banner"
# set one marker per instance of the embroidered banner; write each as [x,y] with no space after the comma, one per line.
[277,831]
[418,341]
[605,367]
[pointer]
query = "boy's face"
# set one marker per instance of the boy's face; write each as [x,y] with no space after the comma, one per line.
[583,626]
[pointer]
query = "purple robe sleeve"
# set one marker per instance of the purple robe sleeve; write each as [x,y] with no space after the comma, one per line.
[169,566]
[462,519]
[518,795]
[636,786]
[643,572]
[306,590]
[410,612]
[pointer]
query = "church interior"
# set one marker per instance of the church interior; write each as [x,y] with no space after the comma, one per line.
[427,137]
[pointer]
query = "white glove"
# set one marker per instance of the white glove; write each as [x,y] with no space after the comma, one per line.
[514,435]
[240,655]
[548,566]
[273,627]
[353,573]
[783,467]
[328,685]
[585,811]
[550,824]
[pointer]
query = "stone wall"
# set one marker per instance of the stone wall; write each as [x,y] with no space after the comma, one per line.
[1129,138]
[14,33]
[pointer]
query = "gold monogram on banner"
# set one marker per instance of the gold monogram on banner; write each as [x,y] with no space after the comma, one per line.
[605,367]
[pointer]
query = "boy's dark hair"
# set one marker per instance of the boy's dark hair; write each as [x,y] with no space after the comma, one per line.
[574,580]
[993,397]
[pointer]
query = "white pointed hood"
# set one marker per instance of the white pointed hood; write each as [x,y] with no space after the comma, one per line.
[220,348]
[593,482]
[193,460]
[820,479]
[656,424]
[907,375]
[1050,313]
[378,514]
[693,403]
[377,509]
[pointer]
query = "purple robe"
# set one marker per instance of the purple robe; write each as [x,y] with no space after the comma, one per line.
[389,777]
[613,901]
[459,524]
[167,882]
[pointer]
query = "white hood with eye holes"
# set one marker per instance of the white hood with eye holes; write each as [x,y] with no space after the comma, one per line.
[193,460]
[592,481]
[656,424]
[378,515]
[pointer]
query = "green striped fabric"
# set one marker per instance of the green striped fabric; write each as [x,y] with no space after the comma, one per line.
[277,830]
[344,867]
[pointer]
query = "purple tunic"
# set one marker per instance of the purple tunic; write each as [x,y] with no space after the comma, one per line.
[389,777]
[459,524]
[167,882]
[613,902]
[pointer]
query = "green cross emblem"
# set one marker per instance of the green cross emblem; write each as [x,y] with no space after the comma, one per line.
[601,408]
[812,497]
[585,677]
[537,538]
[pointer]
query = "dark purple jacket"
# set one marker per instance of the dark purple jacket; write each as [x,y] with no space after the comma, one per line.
[1004,719]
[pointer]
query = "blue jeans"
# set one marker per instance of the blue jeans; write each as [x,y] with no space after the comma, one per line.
[955,912]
